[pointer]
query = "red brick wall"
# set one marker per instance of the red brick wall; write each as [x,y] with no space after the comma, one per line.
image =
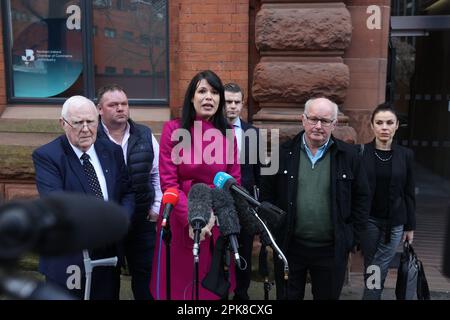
[207,34]
[2,71]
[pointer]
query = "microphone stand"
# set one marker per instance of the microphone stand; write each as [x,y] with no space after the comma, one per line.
[196,252]
[264,270]
[226,267]
[196,278]
[89,265]
[167,237]
[275,247]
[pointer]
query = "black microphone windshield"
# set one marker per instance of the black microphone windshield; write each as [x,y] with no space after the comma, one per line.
[225,211]
[271,214]
[246,218]
[199,205]
[59,224]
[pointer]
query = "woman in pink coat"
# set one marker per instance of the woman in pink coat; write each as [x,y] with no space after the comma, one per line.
[203,151]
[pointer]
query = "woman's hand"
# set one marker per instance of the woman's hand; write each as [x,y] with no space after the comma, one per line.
[408,236]
[206,230]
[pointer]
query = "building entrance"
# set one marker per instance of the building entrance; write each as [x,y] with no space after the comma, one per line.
[419,87]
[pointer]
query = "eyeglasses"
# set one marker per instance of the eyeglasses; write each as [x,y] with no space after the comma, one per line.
[323,122]
[80,124]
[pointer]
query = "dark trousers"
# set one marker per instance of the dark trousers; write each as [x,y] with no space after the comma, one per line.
[243,277]
[139,246]
[327,276]
[105,284]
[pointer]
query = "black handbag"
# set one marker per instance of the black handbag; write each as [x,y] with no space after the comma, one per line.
[411,281]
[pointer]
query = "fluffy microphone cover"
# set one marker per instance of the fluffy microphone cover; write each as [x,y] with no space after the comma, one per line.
[223,205]
[199,204]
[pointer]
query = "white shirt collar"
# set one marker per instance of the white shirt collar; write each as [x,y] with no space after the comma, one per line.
[237,123]
[79,153]
[126,135]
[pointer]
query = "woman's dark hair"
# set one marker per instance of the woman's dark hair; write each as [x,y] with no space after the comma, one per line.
[381,108]
[188,113]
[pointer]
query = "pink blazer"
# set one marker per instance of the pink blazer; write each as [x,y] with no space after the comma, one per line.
[181,166]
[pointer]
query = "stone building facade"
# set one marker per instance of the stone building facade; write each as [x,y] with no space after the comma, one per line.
[280,52]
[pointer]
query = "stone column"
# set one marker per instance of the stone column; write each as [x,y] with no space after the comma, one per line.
[301,48]
[366,58]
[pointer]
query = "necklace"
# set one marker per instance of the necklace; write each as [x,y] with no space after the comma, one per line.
[383,159]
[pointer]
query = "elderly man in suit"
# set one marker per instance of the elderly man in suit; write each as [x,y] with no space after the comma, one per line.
[75,162]
[250,173]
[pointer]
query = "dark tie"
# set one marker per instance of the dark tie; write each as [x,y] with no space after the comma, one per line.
[92,176]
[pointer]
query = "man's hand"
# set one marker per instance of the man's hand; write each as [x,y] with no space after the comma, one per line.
[152,216]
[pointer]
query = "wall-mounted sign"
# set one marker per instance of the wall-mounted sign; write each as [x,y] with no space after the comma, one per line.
[47,48]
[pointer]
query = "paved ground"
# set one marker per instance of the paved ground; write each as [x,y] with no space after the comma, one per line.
[256,292]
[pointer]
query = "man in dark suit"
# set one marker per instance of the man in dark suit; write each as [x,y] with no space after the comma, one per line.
[76,162]
[250,173]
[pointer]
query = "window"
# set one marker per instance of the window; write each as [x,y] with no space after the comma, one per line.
[121,5]
[110,70]
[157,41]
[51,53]
[102,4]
[128,35]
[110,33]
[145,40]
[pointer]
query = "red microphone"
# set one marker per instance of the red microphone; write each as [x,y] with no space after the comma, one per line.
[169,200]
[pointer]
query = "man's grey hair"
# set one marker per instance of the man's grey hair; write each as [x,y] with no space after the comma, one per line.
[311,101]
[74,102]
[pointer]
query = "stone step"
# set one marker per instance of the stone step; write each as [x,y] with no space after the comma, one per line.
[30,126]
[53,126]
[36,132]
[19,137]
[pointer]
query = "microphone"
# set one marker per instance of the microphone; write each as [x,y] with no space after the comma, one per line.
[169,200]
[59,224]
[199,211]
[223,180]
[225,211]
[270,213]
[249,222]
[246,218]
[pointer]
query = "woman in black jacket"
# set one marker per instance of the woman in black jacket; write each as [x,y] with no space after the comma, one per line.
[392,214]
